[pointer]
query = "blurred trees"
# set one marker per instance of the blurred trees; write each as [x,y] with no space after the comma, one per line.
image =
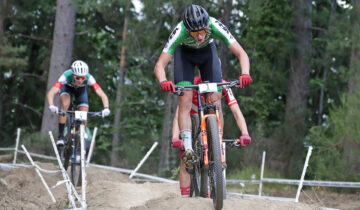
[61,56]
[304,65]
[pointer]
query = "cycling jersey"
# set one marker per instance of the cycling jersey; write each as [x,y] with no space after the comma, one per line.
[180,35]
[226,92]
[66,85]
[67,79]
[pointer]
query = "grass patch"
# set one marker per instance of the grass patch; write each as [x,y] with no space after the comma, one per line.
[252,173]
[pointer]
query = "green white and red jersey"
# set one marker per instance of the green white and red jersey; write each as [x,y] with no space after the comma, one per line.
[67,79]
[180,35]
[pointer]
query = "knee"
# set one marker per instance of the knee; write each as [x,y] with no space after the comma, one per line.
[216,99]
[65,106]
[65,102]
[185,103]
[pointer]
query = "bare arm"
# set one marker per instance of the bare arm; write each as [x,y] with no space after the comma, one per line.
[242,56]
[103,97]
[162,62]
[240,120]
[51,94]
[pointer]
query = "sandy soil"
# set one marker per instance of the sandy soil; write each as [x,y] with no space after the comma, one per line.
[112,190]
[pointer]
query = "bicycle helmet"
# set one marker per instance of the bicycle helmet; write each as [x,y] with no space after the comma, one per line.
[195,18]
[79,68]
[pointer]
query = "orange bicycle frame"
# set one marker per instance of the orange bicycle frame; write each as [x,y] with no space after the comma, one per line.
[204,133]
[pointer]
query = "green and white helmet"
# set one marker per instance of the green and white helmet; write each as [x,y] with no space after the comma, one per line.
[79,68]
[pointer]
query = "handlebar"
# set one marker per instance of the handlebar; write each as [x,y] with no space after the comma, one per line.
[180,88]
[89,114]
[233,142]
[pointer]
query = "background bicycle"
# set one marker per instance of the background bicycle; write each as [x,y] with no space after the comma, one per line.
[70,152]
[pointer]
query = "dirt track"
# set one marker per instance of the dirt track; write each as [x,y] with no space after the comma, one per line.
[113,190]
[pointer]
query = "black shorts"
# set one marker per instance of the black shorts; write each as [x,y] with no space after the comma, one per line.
[206,59]
[80,93]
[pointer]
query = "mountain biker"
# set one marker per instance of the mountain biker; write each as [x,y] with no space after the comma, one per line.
[74,82]
[231,101]
[191,43]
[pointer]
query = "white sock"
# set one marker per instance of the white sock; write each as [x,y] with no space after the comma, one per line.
[186,137]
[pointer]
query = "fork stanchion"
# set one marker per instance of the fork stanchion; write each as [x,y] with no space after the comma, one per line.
[69,186]
[17,144]
[91,147]
[38,172]
[143,160]
[83,173]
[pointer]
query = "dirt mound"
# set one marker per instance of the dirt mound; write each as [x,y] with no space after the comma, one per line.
[112,190]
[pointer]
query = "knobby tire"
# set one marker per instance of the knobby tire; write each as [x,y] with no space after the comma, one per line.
[215,165]
[196,145]
[76,166]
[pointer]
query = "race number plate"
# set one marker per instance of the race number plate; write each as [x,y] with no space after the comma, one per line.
[81,115]
[208,88]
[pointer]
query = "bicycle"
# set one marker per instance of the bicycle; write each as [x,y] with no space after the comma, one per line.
[72,142]
[207,179]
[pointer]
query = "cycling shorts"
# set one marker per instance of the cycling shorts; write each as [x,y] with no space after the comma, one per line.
[206,59]
[80,93]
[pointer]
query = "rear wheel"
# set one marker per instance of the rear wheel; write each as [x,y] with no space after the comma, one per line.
[215,165]
[197,147]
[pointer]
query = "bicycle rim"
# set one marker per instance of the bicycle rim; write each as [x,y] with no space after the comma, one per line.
[215,165]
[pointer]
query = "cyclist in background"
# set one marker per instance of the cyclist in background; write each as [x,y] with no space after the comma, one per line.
[74,82]
[191,43]
[245,139]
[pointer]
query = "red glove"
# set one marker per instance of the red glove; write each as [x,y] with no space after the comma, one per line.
[167,86]
[244,140]
[244,80]
[177,143]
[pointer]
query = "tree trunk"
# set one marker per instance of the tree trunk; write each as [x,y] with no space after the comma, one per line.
[225,19]
[2,32]
[297,93]
[61,55]
[166,133]
[326,65]
[351,145]
[115,159]
[354,81]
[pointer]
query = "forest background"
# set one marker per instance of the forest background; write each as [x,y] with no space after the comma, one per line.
[305,67]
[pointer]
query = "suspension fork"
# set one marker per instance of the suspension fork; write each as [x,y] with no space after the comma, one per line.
[205,139]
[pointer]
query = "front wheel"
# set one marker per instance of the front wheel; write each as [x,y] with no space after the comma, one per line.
[76,163]
[215,164]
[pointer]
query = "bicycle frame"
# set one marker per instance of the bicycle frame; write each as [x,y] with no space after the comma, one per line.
[208,106]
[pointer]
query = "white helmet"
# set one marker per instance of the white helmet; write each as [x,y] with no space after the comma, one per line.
[79,68]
